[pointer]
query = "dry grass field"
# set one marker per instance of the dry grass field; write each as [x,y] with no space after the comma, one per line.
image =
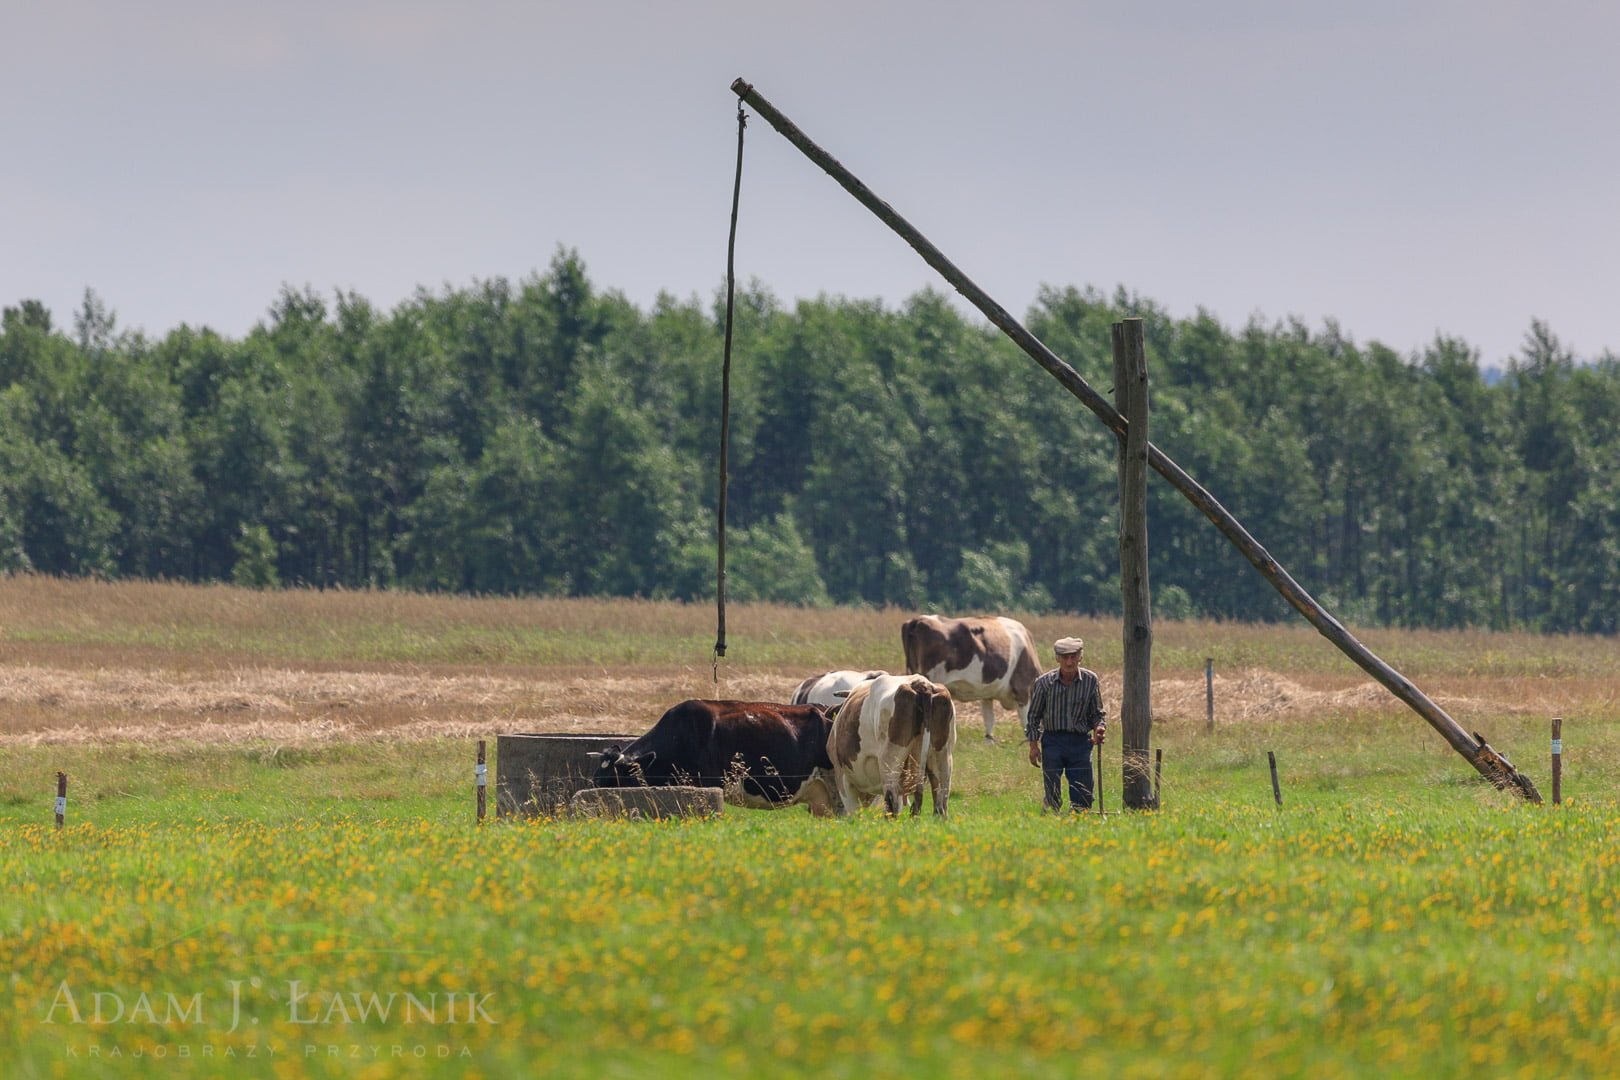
[92,662]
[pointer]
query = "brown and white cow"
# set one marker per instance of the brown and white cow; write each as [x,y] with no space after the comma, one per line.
[977,659]
[830,689]
[759,753]
[888,731]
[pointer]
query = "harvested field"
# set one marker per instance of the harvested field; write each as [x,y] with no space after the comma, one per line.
[41,704]
[145,663]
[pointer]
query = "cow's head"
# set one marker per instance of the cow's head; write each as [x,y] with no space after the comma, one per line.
[615,768]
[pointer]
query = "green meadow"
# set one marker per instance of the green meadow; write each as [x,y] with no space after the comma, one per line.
[331,909]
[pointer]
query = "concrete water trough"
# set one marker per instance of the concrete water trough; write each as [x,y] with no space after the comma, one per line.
[538,772]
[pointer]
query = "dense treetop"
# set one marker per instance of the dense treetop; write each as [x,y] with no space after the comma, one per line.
[549,437]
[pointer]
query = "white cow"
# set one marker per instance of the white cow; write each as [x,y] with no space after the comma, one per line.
[890,730]
[831,688]
[978,659]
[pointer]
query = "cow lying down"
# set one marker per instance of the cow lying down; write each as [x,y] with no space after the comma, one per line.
[760,754]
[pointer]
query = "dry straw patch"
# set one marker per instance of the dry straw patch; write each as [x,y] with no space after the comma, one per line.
[1264,695]
[288,706]
[151,662]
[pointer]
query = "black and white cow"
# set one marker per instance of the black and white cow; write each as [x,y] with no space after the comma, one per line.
[830,689]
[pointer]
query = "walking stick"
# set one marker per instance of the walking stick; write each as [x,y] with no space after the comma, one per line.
[1097,783]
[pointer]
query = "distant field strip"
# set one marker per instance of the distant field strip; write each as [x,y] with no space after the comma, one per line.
[41,704]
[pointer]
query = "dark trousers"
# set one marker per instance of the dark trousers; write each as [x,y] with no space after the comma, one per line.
[1066,753]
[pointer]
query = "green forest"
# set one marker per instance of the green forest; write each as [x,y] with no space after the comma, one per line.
[549,437]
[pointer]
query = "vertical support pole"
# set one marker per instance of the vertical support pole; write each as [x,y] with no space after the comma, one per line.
[1136,699]
[1209,693]
[1558,759]
[1158,775]
[61,799]
[481,779]
[1276,788]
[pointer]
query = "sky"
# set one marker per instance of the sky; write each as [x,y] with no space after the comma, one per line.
[1407,169]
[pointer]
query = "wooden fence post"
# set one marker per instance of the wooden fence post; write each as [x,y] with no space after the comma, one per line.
[61,798]
[1209,693]
[1276,788]
[481,776]
[1558,759]
[1158,775]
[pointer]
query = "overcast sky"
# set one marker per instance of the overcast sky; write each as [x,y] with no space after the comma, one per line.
[1407,168]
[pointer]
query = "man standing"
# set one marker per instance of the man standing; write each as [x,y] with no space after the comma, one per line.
[1065,721]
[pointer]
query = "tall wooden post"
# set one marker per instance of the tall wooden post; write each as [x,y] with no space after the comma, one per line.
[1136,698]
[61,798]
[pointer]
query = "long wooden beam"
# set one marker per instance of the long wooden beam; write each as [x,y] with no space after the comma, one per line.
[1490,764]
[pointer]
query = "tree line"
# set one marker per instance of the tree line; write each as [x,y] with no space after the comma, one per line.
[549,437]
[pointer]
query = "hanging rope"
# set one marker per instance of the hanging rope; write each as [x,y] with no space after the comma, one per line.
[725,404]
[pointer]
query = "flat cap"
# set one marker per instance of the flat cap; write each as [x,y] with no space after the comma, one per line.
[1067,646]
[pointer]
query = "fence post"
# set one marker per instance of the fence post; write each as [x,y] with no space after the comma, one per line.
[1276,788]
[1158,775]
[1209,693]
[1558,759]
[61,798]
[481,776]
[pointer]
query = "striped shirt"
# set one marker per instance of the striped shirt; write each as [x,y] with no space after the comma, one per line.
[1056,707]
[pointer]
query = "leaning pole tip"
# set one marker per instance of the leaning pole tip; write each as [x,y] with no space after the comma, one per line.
[741,87]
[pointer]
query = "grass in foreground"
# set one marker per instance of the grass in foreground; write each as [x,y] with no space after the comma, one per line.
[1397,917]
[1375,925]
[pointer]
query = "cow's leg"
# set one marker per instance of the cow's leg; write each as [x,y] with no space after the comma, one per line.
[848,802]
[939,781]
[989,708]
[915,770]
[893,763]
[917,791]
